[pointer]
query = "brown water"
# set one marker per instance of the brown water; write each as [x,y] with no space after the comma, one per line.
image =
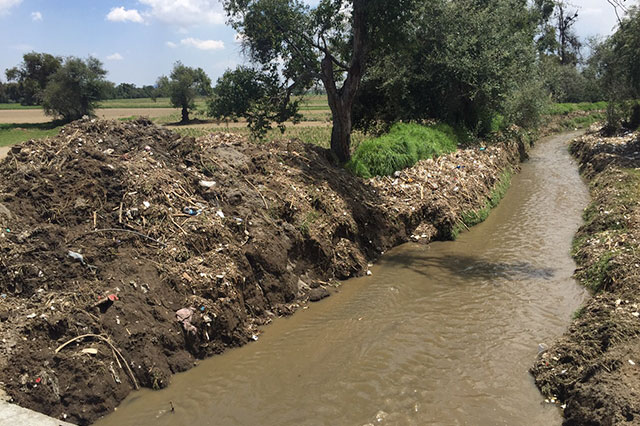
[442,334]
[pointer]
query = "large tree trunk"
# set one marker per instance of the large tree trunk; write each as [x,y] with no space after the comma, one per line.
[185,115]
[341,100]
[341,134]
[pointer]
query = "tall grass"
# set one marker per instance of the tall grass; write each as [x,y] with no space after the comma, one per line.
[402,147]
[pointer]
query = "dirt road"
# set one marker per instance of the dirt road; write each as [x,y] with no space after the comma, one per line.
[3,151]
[37,115]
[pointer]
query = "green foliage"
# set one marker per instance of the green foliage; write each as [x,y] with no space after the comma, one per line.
[329,43]
[616,62]
[183,85]
[73,91]
[460,63]
[524,108]
[255,95]
[31,77]
[402,147]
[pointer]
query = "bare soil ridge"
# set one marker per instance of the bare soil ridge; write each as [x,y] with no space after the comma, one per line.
[173,249]
[594,369]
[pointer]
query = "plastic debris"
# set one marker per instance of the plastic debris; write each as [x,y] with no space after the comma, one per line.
[184,316]
[207,183]
[631,362]
[220,213]
[191,211]
[90,351]
[76,256]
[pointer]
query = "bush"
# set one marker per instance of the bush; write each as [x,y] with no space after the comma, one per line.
[402,147]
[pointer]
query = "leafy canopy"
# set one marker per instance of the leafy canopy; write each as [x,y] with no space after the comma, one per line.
[32,76]
[183,86]
[73,91]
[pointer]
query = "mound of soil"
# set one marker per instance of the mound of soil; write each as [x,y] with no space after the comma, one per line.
[160,250]
[594,369]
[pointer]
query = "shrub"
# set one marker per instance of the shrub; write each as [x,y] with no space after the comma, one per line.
[402,147]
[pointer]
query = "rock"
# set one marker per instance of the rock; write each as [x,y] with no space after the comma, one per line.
[318,294]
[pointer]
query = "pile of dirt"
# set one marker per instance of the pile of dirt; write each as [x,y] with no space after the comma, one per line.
[162,249]
[594,369]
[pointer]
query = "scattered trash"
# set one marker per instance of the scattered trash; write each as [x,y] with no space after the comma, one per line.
[220,213]
[90,351]
[76,256]
[369,273]
[191,211]
[631,362]
[184,316]
[146,204]
[207,183]
[254,337]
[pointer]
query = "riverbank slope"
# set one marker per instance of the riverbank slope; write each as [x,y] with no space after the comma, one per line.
[594,369]
[161,250]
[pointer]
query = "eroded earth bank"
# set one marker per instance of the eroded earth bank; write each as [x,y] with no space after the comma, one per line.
[163,250]
[594,369]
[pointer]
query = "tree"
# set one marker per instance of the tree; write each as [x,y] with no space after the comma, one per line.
[183,85]
[254,95]
[328,43]
[72,92]
[617,66]
[32,75]
[459,62]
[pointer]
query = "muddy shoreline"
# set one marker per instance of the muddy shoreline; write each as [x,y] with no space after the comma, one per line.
[187,246]
[594,369]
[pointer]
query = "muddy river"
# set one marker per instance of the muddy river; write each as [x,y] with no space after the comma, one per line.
[442,334]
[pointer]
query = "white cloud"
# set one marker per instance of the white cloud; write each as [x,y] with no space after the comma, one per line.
[186,13]
[120,14]
[5,5]
[202,44]
[171,44]
[36,16]
[115,57]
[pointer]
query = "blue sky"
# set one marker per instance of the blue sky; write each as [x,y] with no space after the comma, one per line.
[139,40]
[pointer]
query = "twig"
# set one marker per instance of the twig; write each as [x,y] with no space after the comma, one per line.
[179,227]
[113,348]
[120,214]
[129,231]
[266,206]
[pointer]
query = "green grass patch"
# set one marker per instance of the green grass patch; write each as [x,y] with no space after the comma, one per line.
[594,276]
[566,108]
[402,147]
[474,217]
[579,313]
[11,134]
[18,106]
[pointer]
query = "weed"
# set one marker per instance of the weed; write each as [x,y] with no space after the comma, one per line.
[402,147]
[579,313]
[594,277]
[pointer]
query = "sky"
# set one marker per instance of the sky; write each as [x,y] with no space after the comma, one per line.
[140,40]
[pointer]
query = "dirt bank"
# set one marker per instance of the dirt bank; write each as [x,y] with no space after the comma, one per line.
[173,249]
[594,369]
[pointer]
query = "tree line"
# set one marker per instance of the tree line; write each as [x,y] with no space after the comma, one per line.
[479,65]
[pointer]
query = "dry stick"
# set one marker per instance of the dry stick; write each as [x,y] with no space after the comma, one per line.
[120,214]
[140,234]
[179,227]
[95,219]
[113,348]
[266,206]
